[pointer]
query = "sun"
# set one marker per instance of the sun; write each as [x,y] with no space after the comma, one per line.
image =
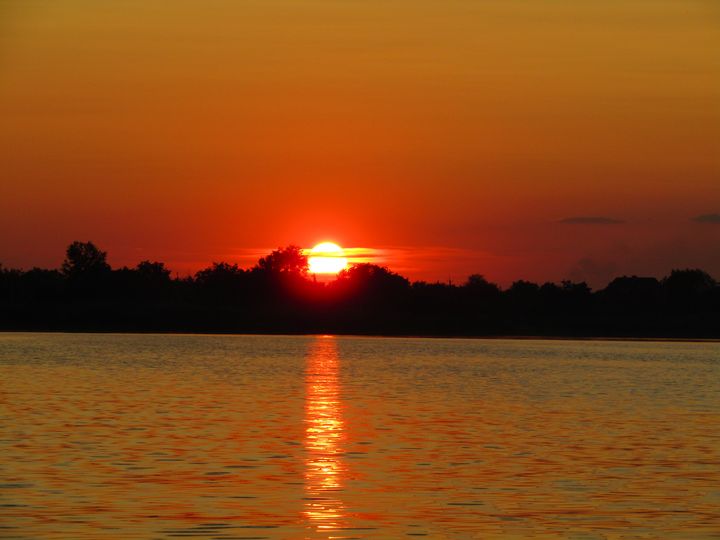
[327,258]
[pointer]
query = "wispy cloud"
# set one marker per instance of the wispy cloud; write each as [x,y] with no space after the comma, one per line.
[249,256]
[708,218]
[591,220]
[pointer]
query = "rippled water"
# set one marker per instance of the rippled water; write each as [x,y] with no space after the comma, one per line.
[230,437]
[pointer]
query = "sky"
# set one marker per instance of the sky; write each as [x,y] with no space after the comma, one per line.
[518,139]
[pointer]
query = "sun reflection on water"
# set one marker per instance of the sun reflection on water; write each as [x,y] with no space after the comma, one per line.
[325,469]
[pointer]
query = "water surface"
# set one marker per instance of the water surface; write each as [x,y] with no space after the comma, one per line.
[240,437]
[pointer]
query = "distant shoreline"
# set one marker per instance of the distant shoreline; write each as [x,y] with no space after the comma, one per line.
[389,336]
[279,296]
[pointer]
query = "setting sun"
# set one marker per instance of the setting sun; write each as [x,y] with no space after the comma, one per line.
[327,258]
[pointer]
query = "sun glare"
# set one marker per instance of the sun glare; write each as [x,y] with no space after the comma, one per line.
[327,258]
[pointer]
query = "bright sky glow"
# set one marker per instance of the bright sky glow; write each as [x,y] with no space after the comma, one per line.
[327,258]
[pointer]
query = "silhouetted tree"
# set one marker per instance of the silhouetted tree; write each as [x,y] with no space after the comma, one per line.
[477,283]
[289,260]
[42,285]
[370,298]
[689,282]
[374,282]
[82,258]
[576,289]
[523,304]
[632,292]
[551,295]
[87,271]
[277,296]
[9,284]
[479,289]
[576,299]
[523,291]
[222,282]
[153,272]
[690,287]
[432,302]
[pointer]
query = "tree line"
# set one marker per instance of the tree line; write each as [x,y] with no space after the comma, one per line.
[278,295]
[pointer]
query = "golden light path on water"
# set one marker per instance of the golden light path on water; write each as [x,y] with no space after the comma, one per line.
[136,437]
[324,435]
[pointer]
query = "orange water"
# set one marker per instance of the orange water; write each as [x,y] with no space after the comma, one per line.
[239,437]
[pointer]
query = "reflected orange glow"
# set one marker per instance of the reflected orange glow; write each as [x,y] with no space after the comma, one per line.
[325,470]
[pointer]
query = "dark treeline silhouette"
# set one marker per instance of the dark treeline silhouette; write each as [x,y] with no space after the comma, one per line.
[277,295]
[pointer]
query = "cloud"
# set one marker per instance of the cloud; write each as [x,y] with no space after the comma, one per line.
[708,218]
[591,220]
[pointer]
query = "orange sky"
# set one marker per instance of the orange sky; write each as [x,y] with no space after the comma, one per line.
[453,137]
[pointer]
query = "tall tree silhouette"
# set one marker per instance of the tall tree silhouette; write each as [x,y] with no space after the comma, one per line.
[83,258]
[87,271]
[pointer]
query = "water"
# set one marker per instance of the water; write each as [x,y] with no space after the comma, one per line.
[239,437]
